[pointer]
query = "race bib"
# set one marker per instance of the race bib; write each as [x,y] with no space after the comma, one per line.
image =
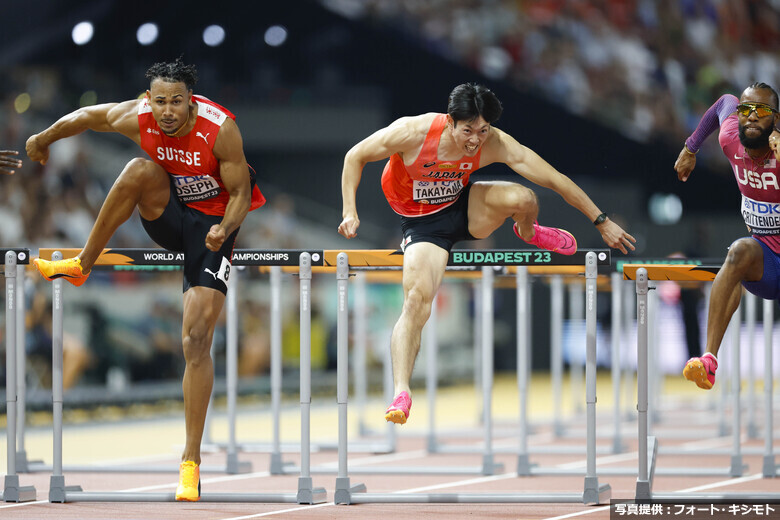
[763,218]
[436,192]
[191,188]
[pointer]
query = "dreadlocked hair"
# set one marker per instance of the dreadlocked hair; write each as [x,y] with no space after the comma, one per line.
[174,72]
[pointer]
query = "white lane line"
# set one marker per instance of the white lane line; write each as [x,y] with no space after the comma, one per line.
[412,490]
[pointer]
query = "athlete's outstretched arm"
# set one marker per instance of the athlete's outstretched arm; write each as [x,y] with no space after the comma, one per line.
[229,151]
[108,117]
[530,165]
[396,138]
[710,121]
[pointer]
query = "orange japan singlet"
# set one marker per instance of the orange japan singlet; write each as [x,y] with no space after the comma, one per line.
[428,185]
[190,160]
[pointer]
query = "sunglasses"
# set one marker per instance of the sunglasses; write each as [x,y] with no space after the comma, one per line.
[761,110]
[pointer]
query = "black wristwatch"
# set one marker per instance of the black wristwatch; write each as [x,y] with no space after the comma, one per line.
[600,219]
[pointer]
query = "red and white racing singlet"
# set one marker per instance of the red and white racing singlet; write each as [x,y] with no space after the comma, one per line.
[189,158]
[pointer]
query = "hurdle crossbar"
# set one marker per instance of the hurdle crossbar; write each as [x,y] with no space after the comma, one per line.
[648,445]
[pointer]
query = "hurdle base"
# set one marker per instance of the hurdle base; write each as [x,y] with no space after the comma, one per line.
[308,494]
[524,466]
[432,444]
[237,467]
[278,466]
[595,493]
[23,464]
[769,469]
[58,490]
[738,467]
[489,467]
[13,492]
[343,493]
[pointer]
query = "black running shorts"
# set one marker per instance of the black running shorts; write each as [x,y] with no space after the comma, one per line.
[183,229]
[442,228]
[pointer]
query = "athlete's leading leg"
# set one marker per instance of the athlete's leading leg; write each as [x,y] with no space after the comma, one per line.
[141,184]
[491,203]
[424,265]
[744,262]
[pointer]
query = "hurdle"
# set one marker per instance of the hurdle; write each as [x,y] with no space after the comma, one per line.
[593,492]
[14,261]
[648,445]
[59,492]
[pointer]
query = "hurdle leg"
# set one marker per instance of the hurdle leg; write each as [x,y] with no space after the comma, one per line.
[343,493]
[737,467]
[278,467]
[57,487]
[750,325]
[478,348]
[556,351]
[726,375]
[524,465]
[616,331]
[431,374]
[629,315]
[234,466]
[653,415]
[307,494]
[647,445]
[489,466]
[593,493]
[769,469]
[359,356]
[12,491]
[575,353]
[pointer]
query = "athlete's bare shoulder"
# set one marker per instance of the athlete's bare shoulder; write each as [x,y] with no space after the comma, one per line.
[501,147]
[123,118]
[408,133]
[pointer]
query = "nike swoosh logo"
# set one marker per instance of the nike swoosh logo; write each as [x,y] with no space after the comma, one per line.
[737,158]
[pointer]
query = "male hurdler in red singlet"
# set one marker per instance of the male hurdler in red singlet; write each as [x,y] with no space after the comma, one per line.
[750,142]
[426,182]
[192,197]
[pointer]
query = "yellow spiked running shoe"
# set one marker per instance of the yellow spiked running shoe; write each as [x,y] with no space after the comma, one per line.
[70,269]
[189,482]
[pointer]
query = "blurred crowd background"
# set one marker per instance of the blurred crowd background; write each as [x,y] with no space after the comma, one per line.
[604,90]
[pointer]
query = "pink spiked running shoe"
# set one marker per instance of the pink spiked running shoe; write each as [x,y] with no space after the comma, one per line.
[701,370]
[398,412]
[551,239]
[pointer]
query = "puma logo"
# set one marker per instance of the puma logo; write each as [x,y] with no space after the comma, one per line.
[212,273]
[205,137]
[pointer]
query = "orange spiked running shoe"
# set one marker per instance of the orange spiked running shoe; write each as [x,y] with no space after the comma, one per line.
[69,269]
